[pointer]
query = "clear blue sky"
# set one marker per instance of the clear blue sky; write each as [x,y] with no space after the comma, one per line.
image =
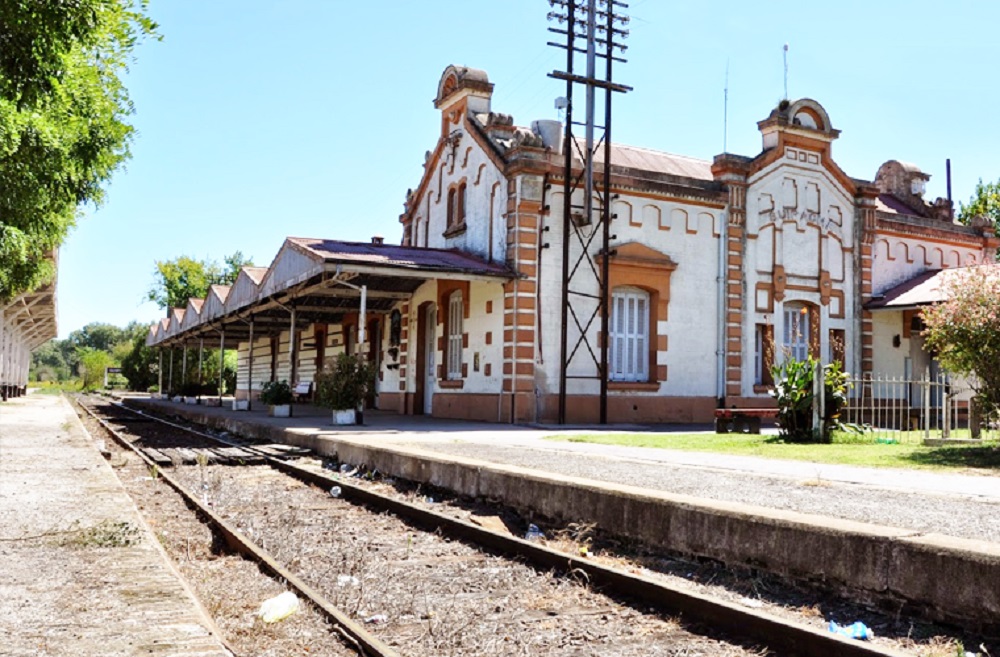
[262,119]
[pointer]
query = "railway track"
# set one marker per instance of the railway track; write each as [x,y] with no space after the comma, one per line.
[402,579]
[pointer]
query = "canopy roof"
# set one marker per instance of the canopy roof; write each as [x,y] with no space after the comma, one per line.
[321,280]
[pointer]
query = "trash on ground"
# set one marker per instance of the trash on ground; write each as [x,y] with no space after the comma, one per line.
[377,618]
[347,580]
[279,607]
[335,491]
[347,470]
[857,630]
[750,602]
[534,533]
[429,499]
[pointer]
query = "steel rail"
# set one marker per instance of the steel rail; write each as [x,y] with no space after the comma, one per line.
[788,637]
[364,641]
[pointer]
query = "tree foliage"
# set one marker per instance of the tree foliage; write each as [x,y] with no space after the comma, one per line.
[964,330]
[176,281]
[63,128]
[92,365]
[985,202]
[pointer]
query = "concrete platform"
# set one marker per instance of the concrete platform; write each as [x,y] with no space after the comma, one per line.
[80,571]
[946,578]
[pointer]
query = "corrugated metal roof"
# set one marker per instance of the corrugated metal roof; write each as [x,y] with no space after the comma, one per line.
[891,204]
[646,159]
[403,257]
[255,273]
[927,288]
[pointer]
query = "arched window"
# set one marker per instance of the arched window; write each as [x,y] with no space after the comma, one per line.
[796,333]
[629,335]
[454,356]
[451,207]
[460,214]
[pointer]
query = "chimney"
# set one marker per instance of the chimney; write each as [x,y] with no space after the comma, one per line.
[378,240]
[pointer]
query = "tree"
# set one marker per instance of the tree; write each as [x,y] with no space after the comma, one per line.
[92,365]
[138,365]
[964,330]
[985,202]
[62,122]
[100,336]
[183,278]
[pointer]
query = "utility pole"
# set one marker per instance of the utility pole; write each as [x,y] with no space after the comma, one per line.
[599,26]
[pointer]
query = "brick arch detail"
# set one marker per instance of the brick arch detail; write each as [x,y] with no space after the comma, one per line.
[638,266]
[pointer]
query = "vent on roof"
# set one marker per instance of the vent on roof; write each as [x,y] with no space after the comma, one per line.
[377,239]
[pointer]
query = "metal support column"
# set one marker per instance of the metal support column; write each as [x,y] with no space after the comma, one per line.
[222,360]
[159,372]
[250,370]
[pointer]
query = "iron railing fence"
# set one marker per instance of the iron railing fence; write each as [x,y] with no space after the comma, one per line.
[905,410]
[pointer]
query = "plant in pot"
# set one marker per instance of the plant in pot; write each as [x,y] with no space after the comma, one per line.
[278,397]
[210,391]
[190,392]
[342,386]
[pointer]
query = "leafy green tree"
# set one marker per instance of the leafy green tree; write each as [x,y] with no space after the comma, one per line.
[985,202]
[139,364]
[98,335]
[176,281]
[92,365]
[63,129]
[964,330]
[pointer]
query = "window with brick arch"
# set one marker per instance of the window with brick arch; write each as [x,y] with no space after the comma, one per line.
[796,334]
[629,335]
[454,355]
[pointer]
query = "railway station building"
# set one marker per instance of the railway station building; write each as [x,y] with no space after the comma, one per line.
[716,269]
[27,321]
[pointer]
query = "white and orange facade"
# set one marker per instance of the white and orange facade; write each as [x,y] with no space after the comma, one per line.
[717,269]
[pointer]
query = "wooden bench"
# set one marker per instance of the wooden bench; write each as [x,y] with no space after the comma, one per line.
[741,420]
[302,391]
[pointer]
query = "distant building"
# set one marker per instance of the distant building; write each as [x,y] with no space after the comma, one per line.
[718,269]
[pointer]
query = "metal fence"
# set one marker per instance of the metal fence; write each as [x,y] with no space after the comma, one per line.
[902,410]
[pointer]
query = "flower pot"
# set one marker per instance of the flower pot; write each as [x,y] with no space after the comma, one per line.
[345,417]
[284,410]
[211,401]
[191,400]
[241,404]
[177,399]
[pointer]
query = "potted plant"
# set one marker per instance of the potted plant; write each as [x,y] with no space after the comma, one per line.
[210,392]
[278,396]
[190,392]
[342,386]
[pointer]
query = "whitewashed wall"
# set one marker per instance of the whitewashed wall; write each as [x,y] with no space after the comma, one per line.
[896,260]
[486,193]
[688,234]
[799,217]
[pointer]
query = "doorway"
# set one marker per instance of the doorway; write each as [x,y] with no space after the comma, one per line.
[426,359]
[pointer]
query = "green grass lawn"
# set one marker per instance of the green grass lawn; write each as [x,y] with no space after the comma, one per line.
[911,455]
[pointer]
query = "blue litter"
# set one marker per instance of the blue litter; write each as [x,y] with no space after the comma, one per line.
[856,630]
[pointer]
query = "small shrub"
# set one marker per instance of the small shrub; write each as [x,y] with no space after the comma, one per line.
[276,393]
[344,383]
[793,390]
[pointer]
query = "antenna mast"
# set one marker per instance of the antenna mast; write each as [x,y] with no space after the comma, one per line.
[785,57]
[599,27]
[725,111]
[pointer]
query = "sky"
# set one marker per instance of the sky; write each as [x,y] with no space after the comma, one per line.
[261,119]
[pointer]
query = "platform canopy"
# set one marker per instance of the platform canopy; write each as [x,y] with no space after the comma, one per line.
[32,316]
[322,281]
